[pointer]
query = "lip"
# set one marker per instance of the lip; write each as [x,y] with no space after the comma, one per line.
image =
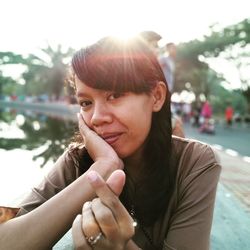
[111,138]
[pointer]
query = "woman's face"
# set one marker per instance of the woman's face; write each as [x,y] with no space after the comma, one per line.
[122,119]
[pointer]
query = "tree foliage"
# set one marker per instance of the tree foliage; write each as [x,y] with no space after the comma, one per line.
[8,86]
[231,42]
[11,58]
[45,73]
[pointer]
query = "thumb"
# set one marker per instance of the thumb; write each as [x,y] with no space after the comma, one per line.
[116,181]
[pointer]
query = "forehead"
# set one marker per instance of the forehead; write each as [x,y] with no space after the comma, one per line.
[83,90]
[81,87]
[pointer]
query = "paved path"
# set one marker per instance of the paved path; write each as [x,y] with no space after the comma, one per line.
[231,223]
[230,230]
[235,139]
[235,177]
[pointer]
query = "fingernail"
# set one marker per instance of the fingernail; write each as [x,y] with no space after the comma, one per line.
[92,176]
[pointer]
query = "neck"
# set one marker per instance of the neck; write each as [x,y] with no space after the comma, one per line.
[134,164]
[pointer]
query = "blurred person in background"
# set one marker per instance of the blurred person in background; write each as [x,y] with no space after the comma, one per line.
[167,62]
[206,121]
[168,66]
[196,114]
[229,112]
[186,112]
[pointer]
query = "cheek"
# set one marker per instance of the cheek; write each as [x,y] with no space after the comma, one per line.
[141,124]
[87,118]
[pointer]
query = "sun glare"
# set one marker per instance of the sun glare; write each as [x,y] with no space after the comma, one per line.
[124,34]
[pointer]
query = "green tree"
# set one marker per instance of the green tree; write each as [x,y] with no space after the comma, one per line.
[11,58]
[47,75]
[231,43]
[9,86]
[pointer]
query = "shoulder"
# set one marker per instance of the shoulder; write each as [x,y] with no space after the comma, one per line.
[193,198]
[75,151]
[75,157]
[194,156]
[194,147]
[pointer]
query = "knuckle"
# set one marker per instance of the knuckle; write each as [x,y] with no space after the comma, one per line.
[101,212]
[95,203]
[106,214]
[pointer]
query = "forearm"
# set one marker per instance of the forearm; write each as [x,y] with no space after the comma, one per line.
[44,226]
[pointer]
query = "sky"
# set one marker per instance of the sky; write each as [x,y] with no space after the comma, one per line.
[28,25]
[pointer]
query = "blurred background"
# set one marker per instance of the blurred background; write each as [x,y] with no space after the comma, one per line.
[211,66]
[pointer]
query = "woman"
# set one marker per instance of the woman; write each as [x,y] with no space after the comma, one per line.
[125,121]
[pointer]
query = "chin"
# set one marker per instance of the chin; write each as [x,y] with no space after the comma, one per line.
[122,155]
[128,153]
[130,150]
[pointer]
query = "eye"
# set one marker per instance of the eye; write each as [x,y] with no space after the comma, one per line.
[85,104]
[115,95]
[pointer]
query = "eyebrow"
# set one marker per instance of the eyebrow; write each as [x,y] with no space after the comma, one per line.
[81,94]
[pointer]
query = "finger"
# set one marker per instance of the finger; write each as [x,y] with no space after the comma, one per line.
[84,129]
[116,181]
[77,234]
[108,197]
[105,218]
[89,225]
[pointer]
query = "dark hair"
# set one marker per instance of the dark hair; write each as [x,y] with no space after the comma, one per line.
[131,66]
[168,45]
[150,36]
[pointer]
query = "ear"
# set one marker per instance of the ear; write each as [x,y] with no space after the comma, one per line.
[159,96]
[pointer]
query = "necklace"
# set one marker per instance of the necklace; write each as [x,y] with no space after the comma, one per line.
[130,198]
[140,225]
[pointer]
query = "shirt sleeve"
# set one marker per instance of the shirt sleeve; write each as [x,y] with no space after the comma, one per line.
[191,221]
[61,175]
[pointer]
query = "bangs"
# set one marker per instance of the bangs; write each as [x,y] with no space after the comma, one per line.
[118,66]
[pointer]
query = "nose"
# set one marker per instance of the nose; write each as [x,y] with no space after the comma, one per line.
[101,114]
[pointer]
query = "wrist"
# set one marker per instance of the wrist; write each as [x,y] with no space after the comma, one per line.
[131,246]
[113,163]
[105,167]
